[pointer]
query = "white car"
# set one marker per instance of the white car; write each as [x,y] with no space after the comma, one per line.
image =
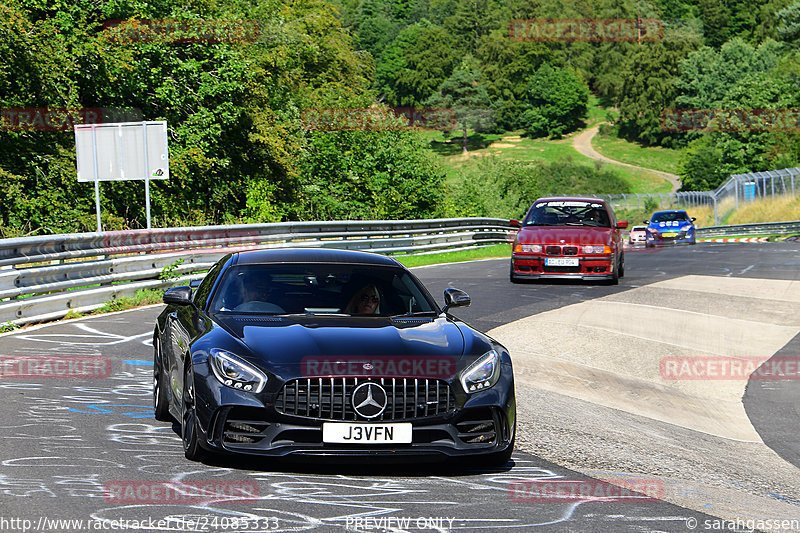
[638,235]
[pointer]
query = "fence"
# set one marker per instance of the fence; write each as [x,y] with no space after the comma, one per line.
[44,278]
[735,190]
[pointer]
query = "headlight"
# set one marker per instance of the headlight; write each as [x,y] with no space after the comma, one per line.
[235,373]
[481,374]
[528,248]
[596,249]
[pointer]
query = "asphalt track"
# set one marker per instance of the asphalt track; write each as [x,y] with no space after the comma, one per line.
[69,444]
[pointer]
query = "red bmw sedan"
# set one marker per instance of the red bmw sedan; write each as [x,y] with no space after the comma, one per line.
[568,238]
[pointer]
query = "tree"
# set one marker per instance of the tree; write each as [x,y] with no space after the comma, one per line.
[375,175]
[789,25]
[648,87]
[557,100]
[700,166]
[707,75]
[466,97]
[716,17]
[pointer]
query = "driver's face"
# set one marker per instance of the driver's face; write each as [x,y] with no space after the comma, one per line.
[259,291]
[368,303]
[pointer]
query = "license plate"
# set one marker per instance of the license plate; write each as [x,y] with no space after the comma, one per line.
[343,433]
[561,261]
[668,234]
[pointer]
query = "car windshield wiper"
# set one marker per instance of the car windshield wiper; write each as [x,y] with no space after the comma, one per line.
[415,313]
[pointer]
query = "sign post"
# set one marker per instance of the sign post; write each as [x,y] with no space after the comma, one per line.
[122,151]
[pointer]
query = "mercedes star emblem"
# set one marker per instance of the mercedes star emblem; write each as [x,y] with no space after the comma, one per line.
[369,399]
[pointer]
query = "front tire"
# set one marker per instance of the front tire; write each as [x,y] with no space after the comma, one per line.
[622,265]
[189,430]
[511,277]
[160,402]
[499,459]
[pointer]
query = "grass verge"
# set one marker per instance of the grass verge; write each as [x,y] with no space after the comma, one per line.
[141,298]
[484,252]
[655,157]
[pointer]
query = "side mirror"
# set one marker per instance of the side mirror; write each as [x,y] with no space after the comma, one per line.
[693,219]
[646,221]
[178,296]
[455,298]
[514,223]
[622,224]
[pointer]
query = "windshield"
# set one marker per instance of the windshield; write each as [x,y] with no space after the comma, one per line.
[670,217]
[568,213]
[320,289]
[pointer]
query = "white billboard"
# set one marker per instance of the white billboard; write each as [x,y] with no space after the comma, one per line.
[122,151]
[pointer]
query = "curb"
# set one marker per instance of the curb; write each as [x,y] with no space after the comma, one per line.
[740,239]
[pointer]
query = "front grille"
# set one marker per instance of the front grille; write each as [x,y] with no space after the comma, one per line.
[330,398]
[570,250]
[562,269]
[553,250]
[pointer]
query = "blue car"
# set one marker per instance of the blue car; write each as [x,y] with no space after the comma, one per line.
[674,226]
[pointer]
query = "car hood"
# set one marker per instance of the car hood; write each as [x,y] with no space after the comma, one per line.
[286,345]
[567,234]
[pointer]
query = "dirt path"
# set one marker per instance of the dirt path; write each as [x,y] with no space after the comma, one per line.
[583,144]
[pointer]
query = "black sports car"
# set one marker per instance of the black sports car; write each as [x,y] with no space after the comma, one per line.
[328,353]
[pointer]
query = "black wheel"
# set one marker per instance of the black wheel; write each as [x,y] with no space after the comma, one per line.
[191,443]
[511,275]
[614,276]
[622,265]
[160,402]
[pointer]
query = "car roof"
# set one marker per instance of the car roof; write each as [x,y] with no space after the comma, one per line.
[311,255]
[671,211]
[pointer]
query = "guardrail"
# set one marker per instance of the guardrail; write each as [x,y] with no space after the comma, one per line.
[761,228]
[45,277]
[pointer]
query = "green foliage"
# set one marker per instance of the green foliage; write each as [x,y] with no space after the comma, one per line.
[233,109]
[238,148]
[5,327]
[700,166]
[558,101]
[467,98]
[369,175]
[708,74]
[649,87]
[506,189]
[476,252]
[142,297]
[789,24]
[168,272]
